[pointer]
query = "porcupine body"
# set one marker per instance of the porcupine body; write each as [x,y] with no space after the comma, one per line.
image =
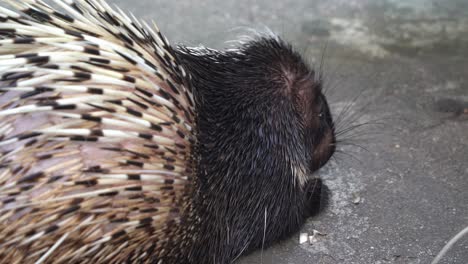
[116,147]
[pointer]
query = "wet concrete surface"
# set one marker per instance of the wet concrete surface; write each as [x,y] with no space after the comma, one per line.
[402,192]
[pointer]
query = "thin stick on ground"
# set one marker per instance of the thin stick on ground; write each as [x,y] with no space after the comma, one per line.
[449,245]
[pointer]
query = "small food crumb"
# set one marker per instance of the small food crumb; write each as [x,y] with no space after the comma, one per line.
[356,198]
[313,238]
[397,146]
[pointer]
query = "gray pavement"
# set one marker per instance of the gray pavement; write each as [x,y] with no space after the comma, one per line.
[401,195]
[400,189]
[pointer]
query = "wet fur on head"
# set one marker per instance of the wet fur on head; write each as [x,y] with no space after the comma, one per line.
[264,128]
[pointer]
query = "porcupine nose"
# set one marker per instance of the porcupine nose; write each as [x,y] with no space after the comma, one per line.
[324,150]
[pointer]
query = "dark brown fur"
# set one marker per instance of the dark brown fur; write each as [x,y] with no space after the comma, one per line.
[261,112]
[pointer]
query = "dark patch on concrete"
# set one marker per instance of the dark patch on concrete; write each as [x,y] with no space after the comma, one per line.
[452,106]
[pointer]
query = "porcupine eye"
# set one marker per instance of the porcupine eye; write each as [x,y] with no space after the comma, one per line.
[321,139]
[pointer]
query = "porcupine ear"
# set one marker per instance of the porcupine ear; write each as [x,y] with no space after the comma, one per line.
[95,113]
[303,87]
[292,76]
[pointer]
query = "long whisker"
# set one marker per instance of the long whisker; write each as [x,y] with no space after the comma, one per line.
[354,145]
[264,234]
[348,154]
[240,253]
[341,115]
[322,64]
[357,126]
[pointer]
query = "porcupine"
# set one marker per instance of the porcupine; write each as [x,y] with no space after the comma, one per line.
[116,147]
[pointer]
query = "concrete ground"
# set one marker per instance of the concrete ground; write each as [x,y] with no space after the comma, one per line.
[402,193]
[400,187]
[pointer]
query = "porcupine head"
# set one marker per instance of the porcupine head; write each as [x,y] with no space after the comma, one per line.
[264,128]
[96,120]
